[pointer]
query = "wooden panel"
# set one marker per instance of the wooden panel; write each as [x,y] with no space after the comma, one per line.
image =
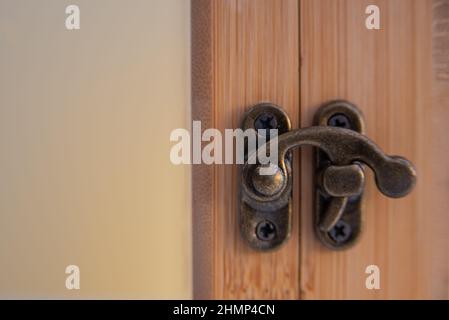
[243,52]
[388,74]
[440,115]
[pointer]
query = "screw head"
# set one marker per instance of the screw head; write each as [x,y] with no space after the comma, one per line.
[265,230]
[266,121]
[341,232]
[339,120]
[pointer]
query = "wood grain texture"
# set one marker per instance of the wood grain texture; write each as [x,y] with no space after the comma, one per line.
[202,175]
[402,89]
[440,114]
[243,52]
[246,51]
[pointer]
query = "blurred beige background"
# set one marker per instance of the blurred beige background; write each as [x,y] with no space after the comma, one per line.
[85,175]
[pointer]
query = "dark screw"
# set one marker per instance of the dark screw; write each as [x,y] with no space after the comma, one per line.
[341,232]
[265,230]
[266,121]
[339,120]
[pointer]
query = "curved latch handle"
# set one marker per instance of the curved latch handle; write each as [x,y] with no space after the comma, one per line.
[340,180]
[395,176]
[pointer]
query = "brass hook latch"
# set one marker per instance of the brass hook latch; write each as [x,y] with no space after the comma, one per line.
[343,150]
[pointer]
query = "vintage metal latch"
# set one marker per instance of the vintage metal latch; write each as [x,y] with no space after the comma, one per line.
[343,150]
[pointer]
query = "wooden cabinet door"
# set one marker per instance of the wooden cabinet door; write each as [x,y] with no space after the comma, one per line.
[299,55]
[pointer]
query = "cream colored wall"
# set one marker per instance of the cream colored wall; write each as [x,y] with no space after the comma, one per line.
[85,176]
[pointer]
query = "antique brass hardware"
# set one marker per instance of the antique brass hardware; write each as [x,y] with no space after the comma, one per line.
[343,150]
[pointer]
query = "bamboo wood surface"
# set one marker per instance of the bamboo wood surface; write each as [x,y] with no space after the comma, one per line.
[243,53]
[388,74]
[247,51]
